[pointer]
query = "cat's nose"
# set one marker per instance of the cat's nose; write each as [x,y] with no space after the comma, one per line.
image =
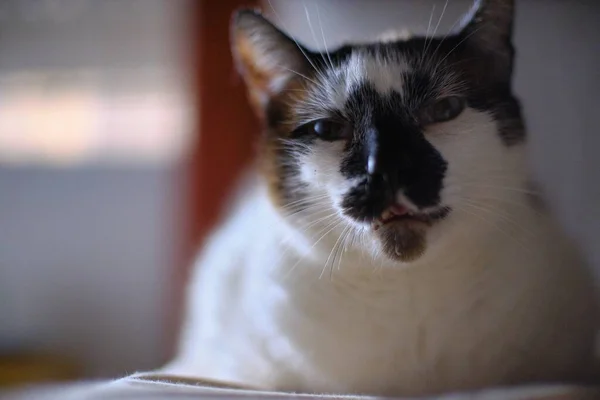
[372,164]
[372,150]
[378,166]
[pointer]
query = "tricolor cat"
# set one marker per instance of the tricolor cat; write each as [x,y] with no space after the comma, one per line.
[391,242]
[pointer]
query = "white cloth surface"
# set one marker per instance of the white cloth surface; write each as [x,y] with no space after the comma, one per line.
[154,386]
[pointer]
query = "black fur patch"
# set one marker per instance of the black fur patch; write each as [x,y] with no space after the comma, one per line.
[405,160]
[385,149]
[388,127]
[453,56]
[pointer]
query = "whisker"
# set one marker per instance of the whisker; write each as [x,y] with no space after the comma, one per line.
[296,42]
[330,253]
[303,210]
[344,245]
[450,32]
[304,228]
[436,28]
[312,31]
[299,74]
[310,198]
[426,36]
[323,36]
[304,201]
[495,226]
[523,204]
[328,228]
[440,19]
[458,44]
[509,188]
[496,213]
[304,207]
[495,173]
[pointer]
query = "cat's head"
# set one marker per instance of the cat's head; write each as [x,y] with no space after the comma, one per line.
[396,139]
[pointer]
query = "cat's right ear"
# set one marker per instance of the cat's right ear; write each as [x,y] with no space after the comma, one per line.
[488,29]
[265,56]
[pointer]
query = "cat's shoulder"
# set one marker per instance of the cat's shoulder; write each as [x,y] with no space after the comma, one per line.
[248,221]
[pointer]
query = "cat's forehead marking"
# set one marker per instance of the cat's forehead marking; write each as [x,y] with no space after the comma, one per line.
[384,73]
[394,35]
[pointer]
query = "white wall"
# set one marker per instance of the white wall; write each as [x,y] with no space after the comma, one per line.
[558,54]
[59,34]
[86,251]
[84,263]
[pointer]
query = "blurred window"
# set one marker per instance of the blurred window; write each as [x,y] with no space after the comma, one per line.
[93,82]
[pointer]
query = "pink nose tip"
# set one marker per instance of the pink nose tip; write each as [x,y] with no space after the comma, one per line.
[399,209]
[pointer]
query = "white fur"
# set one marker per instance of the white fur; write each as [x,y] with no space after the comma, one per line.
[499,295]
[382,73]
[394,35]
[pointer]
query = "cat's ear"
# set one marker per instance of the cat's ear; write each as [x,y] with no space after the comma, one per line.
[265,56]
[487,29]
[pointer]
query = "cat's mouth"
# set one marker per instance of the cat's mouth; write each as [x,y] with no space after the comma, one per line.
[398,213]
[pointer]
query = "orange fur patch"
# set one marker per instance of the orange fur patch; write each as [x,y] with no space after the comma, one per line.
[257,79]
[261,96]
[270,151]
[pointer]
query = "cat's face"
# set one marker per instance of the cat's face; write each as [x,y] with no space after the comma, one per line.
[396,139]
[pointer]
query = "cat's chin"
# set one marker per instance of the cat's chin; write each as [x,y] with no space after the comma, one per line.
[403,235]
[403,241]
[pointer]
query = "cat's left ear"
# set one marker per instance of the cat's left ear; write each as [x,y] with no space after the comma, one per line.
[487,30]
[265,56]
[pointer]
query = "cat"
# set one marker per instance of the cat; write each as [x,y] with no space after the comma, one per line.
[390,241]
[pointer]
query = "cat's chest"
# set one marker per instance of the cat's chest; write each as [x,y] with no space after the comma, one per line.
[299,322]
[346,326]
[359,309]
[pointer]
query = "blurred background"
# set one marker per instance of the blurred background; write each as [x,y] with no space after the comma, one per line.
[96,120]
[123,127]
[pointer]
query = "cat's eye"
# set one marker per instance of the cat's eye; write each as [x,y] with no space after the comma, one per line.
[329,129]
[442,110]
